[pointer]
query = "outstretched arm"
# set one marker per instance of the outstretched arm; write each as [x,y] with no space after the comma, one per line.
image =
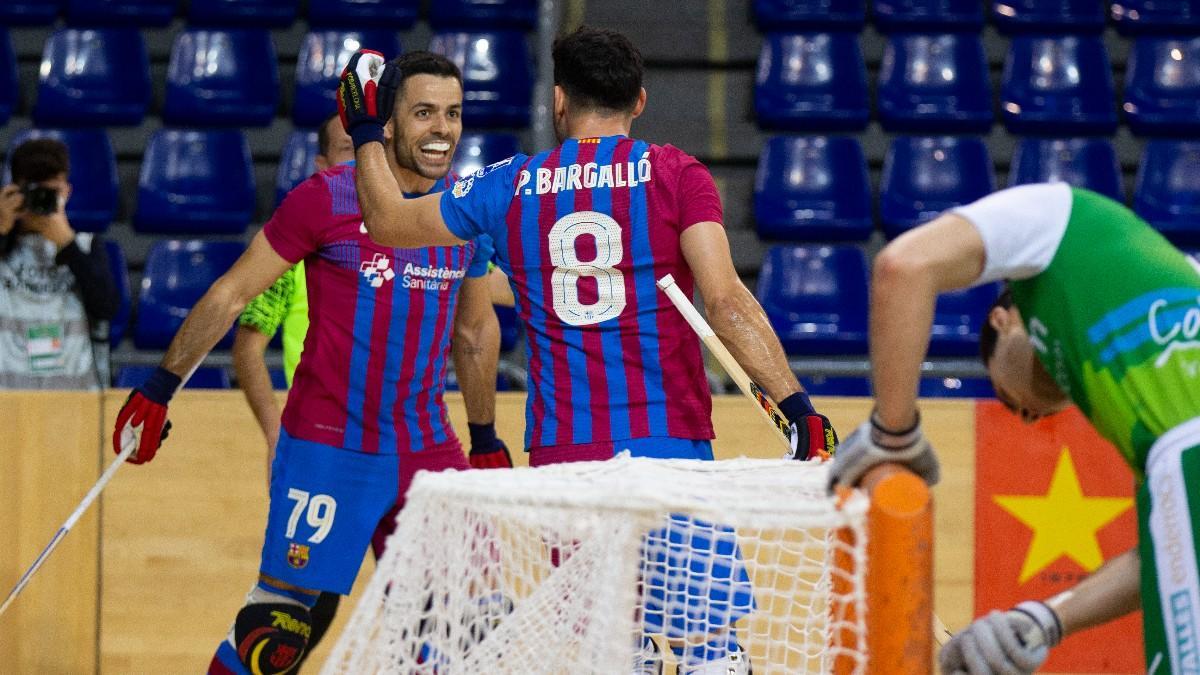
[1020,639]
[909,273]
[215,312]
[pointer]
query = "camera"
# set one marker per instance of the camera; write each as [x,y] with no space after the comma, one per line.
[39,199]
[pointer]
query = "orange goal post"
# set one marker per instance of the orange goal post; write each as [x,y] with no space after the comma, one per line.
[605,567]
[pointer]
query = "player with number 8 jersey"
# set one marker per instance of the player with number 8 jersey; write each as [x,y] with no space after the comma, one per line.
[584,231]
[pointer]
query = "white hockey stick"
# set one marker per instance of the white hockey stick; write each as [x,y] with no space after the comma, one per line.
[74,517]
[747,386]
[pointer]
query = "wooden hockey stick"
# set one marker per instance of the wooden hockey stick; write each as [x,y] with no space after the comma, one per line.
[766,408]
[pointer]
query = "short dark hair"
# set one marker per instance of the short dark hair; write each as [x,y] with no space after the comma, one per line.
[987,333]
[39,159]
[323,134]
[598,68]
[423,62]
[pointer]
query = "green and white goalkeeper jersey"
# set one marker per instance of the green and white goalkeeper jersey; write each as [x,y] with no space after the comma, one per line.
[1112,308]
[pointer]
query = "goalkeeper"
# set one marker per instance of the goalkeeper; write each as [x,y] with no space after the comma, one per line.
[1101,312]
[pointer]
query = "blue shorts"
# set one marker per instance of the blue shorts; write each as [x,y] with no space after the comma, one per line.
[694,580]
[325,504]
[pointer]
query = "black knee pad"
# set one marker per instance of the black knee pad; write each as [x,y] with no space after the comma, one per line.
[271,637]
[322,616]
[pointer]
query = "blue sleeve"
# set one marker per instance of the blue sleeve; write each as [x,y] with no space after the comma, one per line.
[478,203]
[484,250]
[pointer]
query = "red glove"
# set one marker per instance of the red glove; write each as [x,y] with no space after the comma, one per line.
[487,451]
[143,419]
[812,434]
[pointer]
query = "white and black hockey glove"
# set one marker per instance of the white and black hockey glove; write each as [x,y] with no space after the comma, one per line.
[1015,642]
[871,445]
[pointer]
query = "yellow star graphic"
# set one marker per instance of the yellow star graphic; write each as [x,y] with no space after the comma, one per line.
[1064,521]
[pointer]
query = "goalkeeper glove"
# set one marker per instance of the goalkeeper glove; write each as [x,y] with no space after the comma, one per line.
[1016,641]
[487,451]
[812,434]
[365,96]
[871,445]
[142,420]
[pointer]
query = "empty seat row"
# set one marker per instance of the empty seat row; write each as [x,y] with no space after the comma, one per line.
[816,300]
[230,78]
[195,181]
[394,14]
[938,83]
[817,189]
[1130,16]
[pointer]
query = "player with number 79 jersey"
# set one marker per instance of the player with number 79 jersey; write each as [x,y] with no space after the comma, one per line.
[584,231]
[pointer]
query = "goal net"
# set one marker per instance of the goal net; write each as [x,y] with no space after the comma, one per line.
[614,567]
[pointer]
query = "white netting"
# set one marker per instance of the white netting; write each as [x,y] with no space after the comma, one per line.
[564,569]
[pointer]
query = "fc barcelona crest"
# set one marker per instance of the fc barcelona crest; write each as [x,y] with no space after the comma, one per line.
[297,555]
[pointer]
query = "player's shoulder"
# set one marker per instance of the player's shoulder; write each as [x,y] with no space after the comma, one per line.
[320,185]
[670,158]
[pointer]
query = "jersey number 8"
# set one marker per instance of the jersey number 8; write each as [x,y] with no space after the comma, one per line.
[568,268]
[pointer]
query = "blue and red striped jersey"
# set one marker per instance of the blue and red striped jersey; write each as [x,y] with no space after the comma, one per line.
[584,231]
[373,369]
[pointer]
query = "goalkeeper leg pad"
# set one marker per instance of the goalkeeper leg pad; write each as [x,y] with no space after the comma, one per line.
[270,637]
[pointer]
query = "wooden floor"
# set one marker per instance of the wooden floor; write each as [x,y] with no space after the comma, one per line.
[150,581]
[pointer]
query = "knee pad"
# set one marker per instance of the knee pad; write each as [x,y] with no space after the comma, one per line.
[270,637]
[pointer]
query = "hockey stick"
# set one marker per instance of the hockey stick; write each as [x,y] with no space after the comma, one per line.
[769,412]
[748,387]
[74,517]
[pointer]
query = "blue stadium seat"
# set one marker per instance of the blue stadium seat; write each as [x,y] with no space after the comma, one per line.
[1162,86]
[1083,162]
[476,151]
[93,77]
[771,15]
[957,319]
[924,175]
[9,82]
[1139,17]
[954,387]
[295,162]
[323,55]
[497,76]
[1058,85]
[255,13]
[177,273]
[909,15]
[1047,16]
[121,13]
[510,328]
[935,84]
[835,385]
[1167,190]
[813,189]
[484,14]
[93,202]
[195,182]
[354,14]
[811,82]
[205,377]
[222,77]
[816,298]
[29,12]
[120,272]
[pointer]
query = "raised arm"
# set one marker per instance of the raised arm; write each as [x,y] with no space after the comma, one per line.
[391,219]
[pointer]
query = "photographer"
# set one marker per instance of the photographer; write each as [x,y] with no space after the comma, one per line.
[55,284]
